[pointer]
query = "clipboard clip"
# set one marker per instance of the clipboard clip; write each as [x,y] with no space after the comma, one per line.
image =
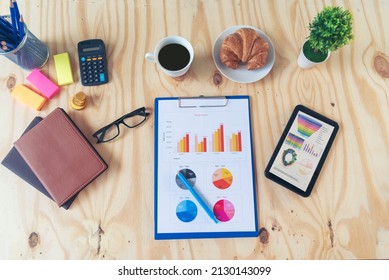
[202,101]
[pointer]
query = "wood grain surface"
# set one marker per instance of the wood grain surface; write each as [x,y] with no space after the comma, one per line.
[347,214]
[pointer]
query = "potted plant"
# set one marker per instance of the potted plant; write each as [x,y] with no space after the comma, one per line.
[330,30]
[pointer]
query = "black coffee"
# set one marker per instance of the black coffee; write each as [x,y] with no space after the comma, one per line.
[174,57]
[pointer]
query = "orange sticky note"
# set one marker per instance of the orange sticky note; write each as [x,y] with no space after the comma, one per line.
[28,97]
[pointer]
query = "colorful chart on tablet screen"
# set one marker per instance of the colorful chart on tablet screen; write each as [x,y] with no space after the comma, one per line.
[307,126]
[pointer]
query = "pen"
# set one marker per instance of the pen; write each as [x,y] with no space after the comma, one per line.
[16,8]
[13,21]
[21,28]
[5,26]
[197,196]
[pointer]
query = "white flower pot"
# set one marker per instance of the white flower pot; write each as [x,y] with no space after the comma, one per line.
[305,63]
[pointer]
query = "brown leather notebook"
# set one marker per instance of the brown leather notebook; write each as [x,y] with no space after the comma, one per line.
[60,156]
[14,162]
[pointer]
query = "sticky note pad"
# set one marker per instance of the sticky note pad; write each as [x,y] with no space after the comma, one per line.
[63,68]
[28,97]
[46,87]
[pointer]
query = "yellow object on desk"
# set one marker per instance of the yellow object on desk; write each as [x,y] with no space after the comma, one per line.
[28,97]
[78,101]
[63,69]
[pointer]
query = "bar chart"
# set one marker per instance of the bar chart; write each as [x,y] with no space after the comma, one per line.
[216,142]
[236,142]
[200,147]
[312,149]
[183,144]
[218,139]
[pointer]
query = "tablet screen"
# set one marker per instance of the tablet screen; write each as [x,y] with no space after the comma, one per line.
[302,149]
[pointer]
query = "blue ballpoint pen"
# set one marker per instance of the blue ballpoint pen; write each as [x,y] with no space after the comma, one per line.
[197,196]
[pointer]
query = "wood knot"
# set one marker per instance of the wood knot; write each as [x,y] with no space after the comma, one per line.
[331,233]
[11,82]
[33,239]
[381,65]
[217,78]
[275,227]
[100,231]
[263,235]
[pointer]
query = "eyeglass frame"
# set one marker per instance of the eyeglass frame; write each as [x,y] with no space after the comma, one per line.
[138,112]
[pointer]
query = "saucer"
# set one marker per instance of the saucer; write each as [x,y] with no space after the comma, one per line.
[241,74]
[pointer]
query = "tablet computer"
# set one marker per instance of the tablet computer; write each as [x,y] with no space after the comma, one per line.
[302,150]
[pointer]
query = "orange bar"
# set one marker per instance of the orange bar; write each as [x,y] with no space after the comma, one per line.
[234,143]
[204,144]
[187,143]
[221,147]
[215,142]
[181,146]
[239,141]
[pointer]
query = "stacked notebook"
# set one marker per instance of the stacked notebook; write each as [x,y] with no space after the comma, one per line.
[55,157]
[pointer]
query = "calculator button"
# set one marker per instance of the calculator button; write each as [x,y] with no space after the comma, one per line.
[102,77]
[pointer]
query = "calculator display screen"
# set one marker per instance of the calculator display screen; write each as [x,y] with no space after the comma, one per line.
[91,49]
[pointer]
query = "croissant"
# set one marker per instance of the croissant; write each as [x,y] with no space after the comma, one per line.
[244,46]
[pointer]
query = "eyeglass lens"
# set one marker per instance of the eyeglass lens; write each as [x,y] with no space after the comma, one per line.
[134,120]
[109,134]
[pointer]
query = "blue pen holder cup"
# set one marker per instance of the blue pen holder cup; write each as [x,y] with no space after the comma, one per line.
[29,54]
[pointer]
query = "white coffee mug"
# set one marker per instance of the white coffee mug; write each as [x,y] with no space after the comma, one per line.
[171,63]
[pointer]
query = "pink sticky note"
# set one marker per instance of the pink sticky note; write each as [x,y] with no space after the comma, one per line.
[46,87]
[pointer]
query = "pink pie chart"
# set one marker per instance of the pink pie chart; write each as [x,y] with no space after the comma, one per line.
[224,210]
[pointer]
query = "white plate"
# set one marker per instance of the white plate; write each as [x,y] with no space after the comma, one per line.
[241,74]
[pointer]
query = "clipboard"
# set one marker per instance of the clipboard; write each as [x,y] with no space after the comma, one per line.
[209,141]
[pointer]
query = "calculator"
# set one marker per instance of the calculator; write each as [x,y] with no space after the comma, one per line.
[93,62]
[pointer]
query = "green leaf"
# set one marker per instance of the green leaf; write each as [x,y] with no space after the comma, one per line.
[331,29]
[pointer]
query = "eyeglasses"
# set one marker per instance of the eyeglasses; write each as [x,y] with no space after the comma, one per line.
[111,131]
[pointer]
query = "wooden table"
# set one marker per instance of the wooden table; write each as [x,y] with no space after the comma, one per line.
[346,216]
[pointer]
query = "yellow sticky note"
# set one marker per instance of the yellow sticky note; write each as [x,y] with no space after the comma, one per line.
[28,97]
[63,69]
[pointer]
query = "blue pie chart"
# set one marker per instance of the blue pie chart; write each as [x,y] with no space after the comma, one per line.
[186,211]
